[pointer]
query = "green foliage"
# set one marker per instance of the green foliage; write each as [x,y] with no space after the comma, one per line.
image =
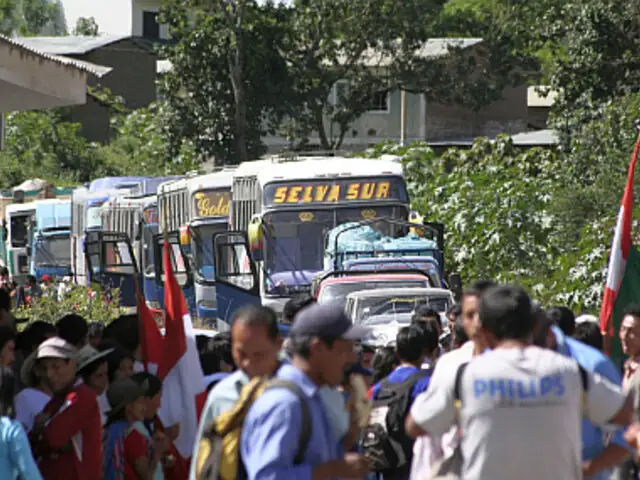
[225,90]
[86,26]
[34,16]
[39,144]
[93,304]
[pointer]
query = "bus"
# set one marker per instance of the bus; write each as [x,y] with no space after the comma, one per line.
[192,211]
[101,257]
[19,218]
[137,217]
[281,212]
[51,244]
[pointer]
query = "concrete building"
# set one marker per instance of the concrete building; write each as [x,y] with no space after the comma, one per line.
[132,61]
[137,18]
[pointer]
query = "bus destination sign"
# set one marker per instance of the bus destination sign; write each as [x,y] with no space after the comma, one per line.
[337,191]
[212,203]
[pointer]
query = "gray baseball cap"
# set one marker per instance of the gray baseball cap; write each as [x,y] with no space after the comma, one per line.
[326,321]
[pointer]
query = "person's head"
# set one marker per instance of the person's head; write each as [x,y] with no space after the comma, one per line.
[33,335]
[453,313]
[384,361]
[127,401]
[74,329]
[119,361]
[564,318]
[46,279]
[8,392]
[416,342]
[7,346]
[367,355]
[125,331]
[203,343]
[426,314]
[294,305]
[630,331]
[322,342]
[256,340]
[96,329]
[470,305]
[589,333]
[58,359]
[459,336]
[4,276]
[152,394]
[31,281]
[93,368]
[210,363]
[5,308]
[221,347]
[506,313]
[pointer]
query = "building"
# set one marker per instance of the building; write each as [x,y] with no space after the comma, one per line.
[540,99]
[132,61]
[137,18]
[431,121]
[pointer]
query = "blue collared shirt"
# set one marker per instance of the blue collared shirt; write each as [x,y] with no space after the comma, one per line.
[271,432]
[592,360]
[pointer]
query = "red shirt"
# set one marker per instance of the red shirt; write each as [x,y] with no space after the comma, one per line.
[136,446]
[70,445]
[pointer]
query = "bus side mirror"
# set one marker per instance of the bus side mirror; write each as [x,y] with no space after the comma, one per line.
[256,238]
[455,284]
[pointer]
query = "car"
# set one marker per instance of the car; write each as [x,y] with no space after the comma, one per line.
[387,310]
[334,290]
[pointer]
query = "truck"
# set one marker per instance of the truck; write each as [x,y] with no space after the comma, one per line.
[281,210]
[191,212]
[51,244]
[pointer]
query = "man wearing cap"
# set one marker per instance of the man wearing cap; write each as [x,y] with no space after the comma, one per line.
[67,436]
[322,344]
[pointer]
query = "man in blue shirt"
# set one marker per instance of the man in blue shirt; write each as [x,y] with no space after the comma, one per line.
[598,456]
[322,346]
[256,343]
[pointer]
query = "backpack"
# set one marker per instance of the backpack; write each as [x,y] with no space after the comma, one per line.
[384,440]
[218,454]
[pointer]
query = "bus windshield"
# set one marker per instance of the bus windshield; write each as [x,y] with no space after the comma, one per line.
[20,230]
[53,251]
[203,248]
[294,240]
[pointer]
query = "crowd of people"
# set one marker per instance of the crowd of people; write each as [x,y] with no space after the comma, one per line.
[503,389]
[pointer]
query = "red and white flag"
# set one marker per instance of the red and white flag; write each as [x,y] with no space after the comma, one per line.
[151,340]
[619,251]
[183,386]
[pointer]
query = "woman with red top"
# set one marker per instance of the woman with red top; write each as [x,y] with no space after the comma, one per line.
[129,454]
[66,436]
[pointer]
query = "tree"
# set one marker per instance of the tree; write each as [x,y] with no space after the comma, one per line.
[140,146]
[87,27]
[35,15]
[226,90]
[40,144]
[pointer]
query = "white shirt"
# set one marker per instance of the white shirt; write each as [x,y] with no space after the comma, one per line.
[428,450]
[30,402]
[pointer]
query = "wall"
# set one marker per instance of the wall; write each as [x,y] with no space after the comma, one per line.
[113,16]
[449,122]
[133,78]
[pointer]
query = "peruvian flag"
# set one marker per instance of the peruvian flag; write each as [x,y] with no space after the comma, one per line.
[151,340]
[183,391]
[623,285]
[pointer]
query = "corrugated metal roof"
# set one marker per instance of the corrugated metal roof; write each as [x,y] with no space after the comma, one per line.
[538,138]
[432,48]
[87,67]
[71,45]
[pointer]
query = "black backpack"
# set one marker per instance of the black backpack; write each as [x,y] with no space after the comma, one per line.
[384,440]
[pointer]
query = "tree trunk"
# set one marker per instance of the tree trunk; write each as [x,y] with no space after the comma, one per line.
[240,97]
[322,134]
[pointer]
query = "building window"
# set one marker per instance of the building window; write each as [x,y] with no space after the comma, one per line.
[379,102]
[150,26]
